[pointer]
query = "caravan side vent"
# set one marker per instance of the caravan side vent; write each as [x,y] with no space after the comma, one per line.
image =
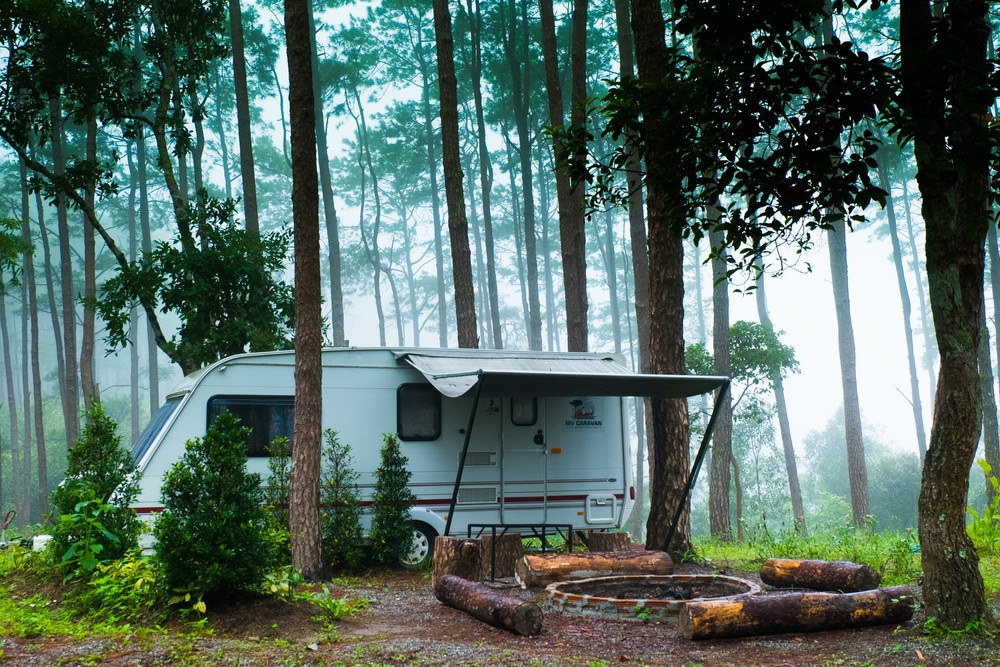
[479,458]
[477,494]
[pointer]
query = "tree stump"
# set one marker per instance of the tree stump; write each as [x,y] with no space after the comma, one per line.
[458,556]
[750,615]
[819,575]
[485,604]
[509,550]
[609,542]
[538,570]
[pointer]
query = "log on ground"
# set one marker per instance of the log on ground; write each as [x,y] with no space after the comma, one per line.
[819,575]
[538,570]
[485,604]
[751,615]
[458,556]
[509,550]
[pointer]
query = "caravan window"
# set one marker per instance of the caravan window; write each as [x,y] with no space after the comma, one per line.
[524,411]
[418,412]
[153,429]
[269,417]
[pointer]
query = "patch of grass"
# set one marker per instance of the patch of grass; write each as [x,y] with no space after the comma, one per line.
[35,617]
[989,565]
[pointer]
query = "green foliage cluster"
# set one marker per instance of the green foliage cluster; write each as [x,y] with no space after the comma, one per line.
[226,291]
[335,608]
[124,590]
[211,534]
[340,499]
[984,529]
[279,466]
[391,531]
[94,500]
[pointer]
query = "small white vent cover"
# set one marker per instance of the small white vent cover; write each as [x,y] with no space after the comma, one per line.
[479,458]
[477,494]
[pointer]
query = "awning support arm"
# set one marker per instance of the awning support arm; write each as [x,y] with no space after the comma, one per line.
[702,450]
[461,459]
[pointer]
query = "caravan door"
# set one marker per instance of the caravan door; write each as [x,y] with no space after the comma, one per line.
[524,461]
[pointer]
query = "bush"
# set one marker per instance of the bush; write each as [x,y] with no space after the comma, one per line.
[340,499]
[99,472]
[121,591]
[391,533]
[211,533]
[279,467]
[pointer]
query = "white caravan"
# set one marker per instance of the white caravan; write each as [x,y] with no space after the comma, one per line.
[527,440]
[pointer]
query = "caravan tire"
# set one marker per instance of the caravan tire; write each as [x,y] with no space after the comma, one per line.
[423,547]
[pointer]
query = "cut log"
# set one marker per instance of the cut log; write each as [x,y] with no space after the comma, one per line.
[484,603]
[538,570]
[609,542]
[819,575]
[750,615]
[509,550]
[457,556]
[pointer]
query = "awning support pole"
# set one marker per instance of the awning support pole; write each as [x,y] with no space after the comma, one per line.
[461,459]
[702,450]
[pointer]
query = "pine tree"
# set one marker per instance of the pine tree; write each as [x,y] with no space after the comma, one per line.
[340,500]
[391,533]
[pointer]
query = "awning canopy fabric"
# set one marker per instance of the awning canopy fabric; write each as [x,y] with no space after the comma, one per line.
[455,372]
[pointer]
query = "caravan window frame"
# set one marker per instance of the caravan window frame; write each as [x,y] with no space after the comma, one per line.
[436,396]
[255,400]
[534,410]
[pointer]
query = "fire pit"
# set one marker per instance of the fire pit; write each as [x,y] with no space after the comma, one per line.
[641,597]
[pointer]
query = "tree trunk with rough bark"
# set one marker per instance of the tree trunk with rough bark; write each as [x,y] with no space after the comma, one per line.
[540,570]
[152,363]
[89,279]
[458,557]
[819,575]
[21,502]
[485,604]
[991,437]
[243,118]
[719,482]
[133,334]
[952,169]
[458,224]
[306,540]
[992,449]
[36,371]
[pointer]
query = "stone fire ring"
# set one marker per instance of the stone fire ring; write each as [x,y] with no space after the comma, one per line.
[557,598]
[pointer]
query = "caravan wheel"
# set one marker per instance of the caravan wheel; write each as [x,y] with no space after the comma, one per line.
[423,547]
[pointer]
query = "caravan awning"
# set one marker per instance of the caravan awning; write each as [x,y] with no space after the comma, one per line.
[455,372]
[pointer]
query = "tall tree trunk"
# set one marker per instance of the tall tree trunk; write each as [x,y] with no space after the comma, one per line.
[570,198]
[857,470]
[485,167]
[519,86]
[483,302]
[411,282]
[926,326]
[777,385]
[612,273]
[147,247]
[51,291]
[243,118]
[133,333]
[329,207]
[31,304]
[89,278]
[371,249]
[16,463]
[25,307]
[197,117]
[517,235]
[458,225]
[71,386]
[551,335]
[637,520]
[720,480]
[435,198]
[904,296]
[670,459]
[992,448]
[991,438]
[306,543]
[220,131]
[946,103]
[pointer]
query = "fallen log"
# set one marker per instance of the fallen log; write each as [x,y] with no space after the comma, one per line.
[501,562]
[457,556]
[750,615]
[819,575]
[482,602]
[539,570]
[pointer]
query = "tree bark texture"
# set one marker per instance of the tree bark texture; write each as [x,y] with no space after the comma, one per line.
[784,427]
[36,370]
[857,469]
[952,166]
[89,279]
[602,541]
[539,570]
[991,437]
[457,556]
[71,386]
[26,467]
[133,334]
[669,432]
[904,296]
[485,604]
[243,118]
[819,575]
[21,502]
[720,481]
[501,561]
[51,291]
[458,224]
[752,615]
[307,556]
[152,360]
[991,450]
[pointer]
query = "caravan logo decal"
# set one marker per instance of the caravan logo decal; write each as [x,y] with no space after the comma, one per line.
[583,413]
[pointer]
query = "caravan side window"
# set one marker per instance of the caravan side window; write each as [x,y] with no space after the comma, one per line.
[269,417]
[418,412]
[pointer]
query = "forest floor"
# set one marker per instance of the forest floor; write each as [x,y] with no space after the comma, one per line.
[404,624]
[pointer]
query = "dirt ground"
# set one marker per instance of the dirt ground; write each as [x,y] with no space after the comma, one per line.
[405,625]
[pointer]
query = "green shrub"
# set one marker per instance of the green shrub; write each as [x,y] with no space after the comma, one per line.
[211,533]
[984,530]
[100,472]
[340,499]
[391,533]
[122,590]
[279,467]
[84,529]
